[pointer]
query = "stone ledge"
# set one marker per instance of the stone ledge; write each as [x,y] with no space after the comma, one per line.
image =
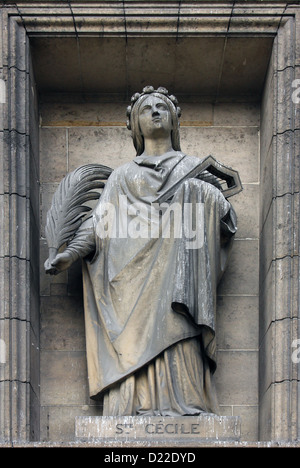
[156,430]
[142,446]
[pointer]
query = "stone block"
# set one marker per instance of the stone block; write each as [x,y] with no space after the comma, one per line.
[279,236]
[62,323]
[296,98]
[241,275]
[277,418]
[237,322]
[196,114]
[268,110]
[285,113]
[4,217]
[287,164]
[16,175]
[167,431]
[110,146]
[236,114]
[236,377]
[53,165]
[265,417]
[91,114]
[34,184]
[35,304]
[285,422]
[34,416]
[286,225]
[34,140]
[286,283]
[266,183]
[279,337]
[18,216]
[234,147]
[249,418]
[19,399]
[18,351]
[5,426]
[3,263]
[64,378]
[18,118]
[58,422]
[58,289]
[16,56]
[266,244]
[34,353]
[266,301]
[246,206]
[4,350]
[19,274]
[286,43]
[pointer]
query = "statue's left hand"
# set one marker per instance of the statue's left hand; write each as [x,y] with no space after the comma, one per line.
[60,263]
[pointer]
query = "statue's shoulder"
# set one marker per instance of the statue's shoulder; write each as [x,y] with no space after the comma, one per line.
[191,161]
[119,170]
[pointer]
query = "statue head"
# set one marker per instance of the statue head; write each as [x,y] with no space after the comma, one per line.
[133,116]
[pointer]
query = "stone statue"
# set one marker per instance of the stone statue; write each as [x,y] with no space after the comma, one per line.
[154,249]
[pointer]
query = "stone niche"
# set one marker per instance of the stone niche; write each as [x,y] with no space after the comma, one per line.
[76,129]
[233,77]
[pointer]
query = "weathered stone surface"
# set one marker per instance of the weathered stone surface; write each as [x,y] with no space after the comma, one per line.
[242,274]
[100,145]
[237,322]
[54,147]
[246,205]
[236,377]
[61,420]
[170,430]
[62,323]
[235,147]
[63,378]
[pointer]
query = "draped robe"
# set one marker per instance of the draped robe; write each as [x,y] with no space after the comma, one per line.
[150,299]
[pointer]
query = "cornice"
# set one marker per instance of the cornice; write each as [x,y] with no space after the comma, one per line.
[135,18]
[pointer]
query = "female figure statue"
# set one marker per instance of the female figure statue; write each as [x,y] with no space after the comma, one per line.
[153,249]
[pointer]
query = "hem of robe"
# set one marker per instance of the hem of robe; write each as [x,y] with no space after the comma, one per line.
[211,360]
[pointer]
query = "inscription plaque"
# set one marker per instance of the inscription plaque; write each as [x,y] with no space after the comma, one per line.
[203,427]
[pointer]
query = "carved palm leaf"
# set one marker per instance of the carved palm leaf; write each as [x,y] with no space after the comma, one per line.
[69,202]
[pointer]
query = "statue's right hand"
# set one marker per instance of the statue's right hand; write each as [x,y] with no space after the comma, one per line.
[60,263]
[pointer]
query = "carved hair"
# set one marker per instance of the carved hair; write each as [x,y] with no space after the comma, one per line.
[133,116]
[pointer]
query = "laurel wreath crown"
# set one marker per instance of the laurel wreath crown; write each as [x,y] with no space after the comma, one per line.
[151,90]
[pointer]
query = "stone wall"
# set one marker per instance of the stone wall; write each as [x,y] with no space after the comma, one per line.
[63,377]
[73,133]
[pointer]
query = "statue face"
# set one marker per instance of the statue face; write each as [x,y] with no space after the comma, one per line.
[154,118]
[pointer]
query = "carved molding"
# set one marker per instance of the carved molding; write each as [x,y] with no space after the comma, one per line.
[133,18]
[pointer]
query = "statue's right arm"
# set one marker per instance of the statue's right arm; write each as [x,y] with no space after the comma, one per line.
[82,244]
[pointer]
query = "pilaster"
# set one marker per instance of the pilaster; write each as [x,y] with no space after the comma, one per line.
[18,333]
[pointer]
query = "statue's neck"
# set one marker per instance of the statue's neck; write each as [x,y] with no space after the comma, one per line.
[157,147]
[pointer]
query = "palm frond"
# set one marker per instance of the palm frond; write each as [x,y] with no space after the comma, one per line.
[68,204]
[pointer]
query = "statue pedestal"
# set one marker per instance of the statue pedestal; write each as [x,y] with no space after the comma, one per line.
[157,431]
